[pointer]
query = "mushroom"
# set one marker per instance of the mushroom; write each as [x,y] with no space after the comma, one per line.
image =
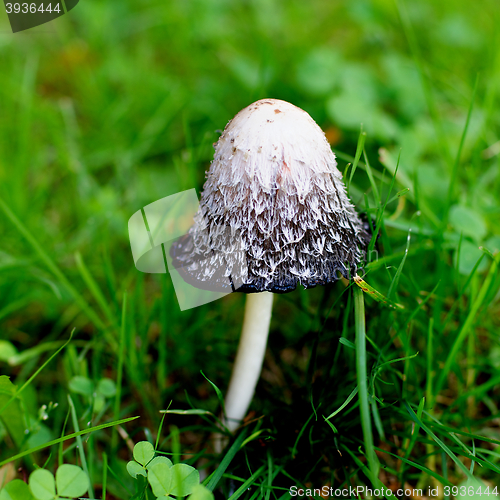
[273,214]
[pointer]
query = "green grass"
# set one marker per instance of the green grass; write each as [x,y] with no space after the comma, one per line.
[116,105]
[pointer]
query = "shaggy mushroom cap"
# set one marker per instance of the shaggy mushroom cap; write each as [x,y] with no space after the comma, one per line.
[274,210]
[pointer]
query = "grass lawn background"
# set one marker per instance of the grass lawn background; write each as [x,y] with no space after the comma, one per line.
[117,104]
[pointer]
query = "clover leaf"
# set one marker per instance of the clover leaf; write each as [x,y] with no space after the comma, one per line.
[159,460]
[71,481]
[42,484]
[144,452]
[166,480]
[201,492]
[16,490]
[184,479]
[134,469]
[160,479]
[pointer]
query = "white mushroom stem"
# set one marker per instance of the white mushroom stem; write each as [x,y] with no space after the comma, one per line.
[249,358]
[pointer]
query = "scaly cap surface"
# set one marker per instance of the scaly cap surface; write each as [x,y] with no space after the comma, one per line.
[274,210]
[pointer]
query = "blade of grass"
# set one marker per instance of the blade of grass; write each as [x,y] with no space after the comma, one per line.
[438,441]
[373,184]
[79,443]
[477,391]
[176,444]
[457,302]
[444,467]
[376,483]
[93,317]
[109,273]
[242,489]
[383,261]
[344,404]
[119,370]
[252,437]
[454,171]
[61,449]
[359,149]
[364,405]
[468,323]
[65,438]
[418,466]
[430,372]
[398,195]
[34,352]
[120,482]
[376,419]
[159,431]
[216,476]
[422,304]
[220,397]
[395,281]
[413,440]
[348,158]
[379,367]
[28,382]
[294,449]
[164,328]
[94,289]
[375,294]
[381,209]
[436,424]
[104,474]
[269,475]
